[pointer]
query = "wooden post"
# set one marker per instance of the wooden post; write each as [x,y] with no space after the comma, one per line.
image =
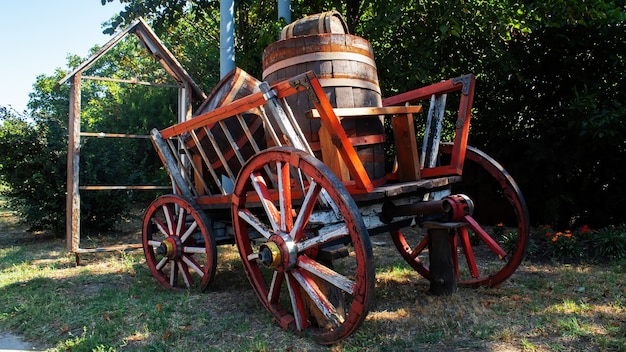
[72,203]
[442,271]
[406,147]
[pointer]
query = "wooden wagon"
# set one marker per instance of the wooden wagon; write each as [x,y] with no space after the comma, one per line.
[300,192]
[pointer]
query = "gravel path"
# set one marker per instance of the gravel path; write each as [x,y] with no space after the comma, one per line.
[11,342]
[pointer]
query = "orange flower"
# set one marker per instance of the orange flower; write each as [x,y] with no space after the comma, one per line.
[568,233]
[555,238]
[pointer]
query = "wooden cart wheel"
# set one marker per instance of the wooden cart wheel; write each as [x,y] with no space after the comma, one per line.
[303,243]
[493,242]
[179,249]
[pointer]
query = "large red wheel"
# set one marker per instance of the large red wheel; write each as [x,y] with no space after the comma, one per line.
[492,242]
[303,243]
[178,246]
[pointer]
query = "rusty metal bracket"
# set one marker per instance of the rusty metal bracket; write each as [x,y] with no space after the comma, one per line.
[305,82]
[465,80]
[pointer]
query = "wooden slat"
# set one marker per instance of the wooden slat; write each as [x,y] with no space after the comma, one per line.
[406,147]
[352,112]
[331,156]
[238,107]
[339,137]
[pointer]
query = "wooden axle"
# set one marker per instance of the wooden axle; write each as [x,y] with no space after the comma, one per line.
[391,211]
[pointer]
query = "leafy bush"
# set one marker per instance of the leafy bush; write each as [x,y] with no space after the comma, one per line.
[33,170]
[563,245]
[605,244]
[610,242]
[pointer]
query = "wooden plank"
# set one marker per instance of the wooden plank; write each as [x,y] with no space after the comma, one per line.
[339,138]
[406,147]
[331,156]
[368,111]
[72,211]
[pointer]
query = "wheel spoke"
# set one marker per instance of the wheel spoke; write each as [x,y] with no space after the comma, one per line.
[319,299]
[160,226]
[284,185]
[297,304]
[467,251]
[326,274]
[173,274]
[274,292]
[168,218]
[193,264]
[260,187]
[326,234]
[189,231]
[484,236]
[254,221]
[420,247]
[194,250]
[306,210]
[154,244]
[162,263]
[184,271]
[179,224]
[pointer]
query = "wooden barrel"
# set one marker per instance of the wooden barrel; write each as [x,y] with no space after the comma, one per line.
[326,22]
[235,85]
[346,69]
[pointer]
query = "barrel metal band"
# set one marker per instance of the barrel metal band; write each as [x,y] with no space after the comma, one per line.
[321,56]
[350,82]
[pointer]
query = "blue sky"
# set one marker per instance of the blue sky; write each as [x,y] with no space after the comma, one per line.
[37,35]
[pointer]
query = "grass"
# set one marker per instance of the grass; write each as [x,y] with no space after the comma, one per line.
[111,303]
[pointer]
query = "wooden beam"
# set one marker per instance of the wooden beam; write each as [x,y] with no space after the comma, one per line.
[406,147]
[351,112]
[72,200]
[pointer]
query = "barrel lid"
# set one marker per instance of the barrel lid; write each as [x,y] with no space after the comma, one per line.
[325,22]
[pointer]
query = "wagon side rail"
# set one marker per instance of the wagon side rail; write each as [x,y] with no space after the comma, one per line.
[401,109]
[203,169]
[465,85]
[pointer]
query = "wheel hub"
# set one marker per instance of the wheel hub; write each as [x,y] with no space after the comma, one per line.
[279,252]
[460,205]
[171,247]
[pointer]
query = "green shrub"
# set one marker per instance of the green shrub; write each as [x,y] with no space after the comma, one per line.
[564,245]
[610,242]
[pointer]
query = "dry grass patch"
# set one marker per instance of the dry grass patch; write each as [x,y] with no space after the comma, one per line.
[110,302]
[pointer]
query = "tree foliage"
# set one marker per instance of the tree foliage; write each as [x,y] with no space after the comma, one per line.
[549,100]
[549,103]
[33,149]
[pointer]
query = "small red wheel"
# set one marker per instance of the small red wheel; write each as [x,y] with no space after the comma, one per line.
[177,244]
[303,243]
[493,241]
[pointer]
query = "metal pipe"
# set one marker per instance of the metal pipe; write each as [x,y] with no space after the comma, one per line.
[227,37]
[284,10]
[390,210]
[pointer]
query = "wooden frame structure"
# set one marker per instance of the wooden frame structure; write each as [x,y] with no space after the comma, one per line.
[188,92]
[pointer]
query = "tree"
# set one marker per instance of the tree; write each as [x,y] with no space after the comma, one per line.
[550,75]
[32,166]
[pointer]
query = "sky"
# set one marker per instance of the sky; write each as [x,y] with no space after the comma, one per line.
[36,37]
